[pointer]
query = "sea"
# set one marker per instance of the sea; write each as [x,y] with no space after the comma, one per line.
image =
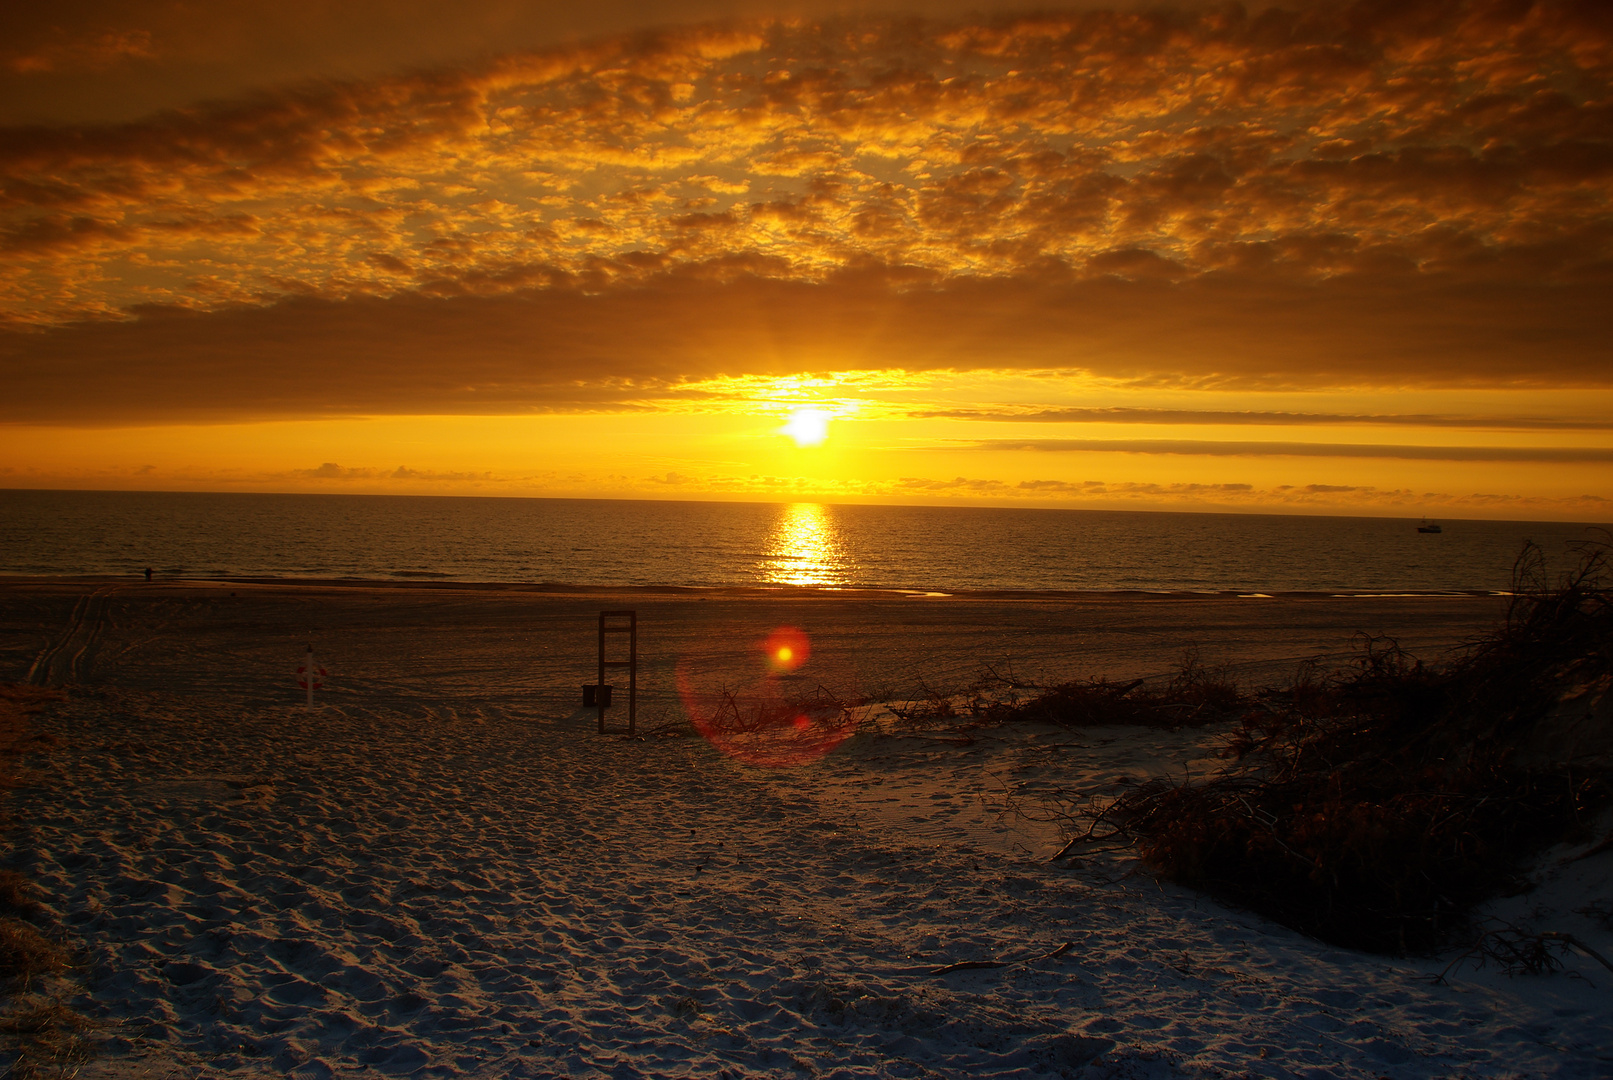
[622,543]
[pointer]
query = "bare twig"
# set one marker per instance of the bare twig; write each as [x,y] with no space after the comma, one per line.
[970,965]
[986,965]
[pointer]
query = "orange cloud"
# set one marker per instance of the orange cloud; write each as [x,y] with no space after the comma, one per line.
[66,52]
[1335,195]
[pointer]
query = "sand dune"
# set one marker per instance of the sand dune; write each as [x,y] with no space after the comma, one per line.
[441,870]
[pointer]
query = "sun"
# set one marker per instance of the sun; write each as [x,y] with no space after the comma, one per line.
[808,427]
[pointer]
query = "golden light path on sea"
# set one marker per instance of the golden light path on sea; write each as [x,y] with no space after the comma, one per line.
[804,548]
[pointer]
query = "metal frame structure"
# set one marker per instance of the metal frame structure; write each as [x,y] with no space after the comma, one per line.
[607,626]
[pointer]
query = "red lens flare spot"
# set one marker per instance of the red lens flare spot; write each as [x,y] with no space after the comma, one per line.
[786,649]
[752,707]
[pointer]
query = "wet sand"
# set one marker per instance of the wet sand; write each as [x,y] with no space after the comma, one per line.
[478,644]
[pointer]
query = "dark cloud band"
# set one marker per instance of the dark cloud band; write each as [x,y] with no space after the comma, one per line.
[1245,418]
[1230,448]
[576,349]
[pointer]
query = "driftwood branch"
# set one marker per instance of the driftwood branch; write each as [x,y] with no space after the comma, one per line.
[971,965]
[986,965]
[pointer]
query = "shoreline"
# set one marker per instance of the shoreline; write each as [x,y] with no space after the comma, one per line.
[379,638]
[555,588]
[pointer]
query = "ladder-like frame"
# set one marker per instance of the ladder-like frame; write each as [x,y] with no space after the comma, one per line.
[631,664]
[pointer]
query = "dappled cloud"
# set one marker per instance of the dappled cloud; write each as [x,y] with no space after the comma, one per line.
[1365,194]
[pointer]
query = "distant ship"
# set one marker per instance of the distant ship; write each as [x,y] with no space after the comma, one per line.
[1426,527]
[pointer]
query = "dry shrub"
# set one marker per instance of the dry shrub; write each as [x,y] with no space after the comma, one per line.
[26,955]
[736,713]
[932,708]
[1515,952]
[1522,952]
[41,1018]
[775,726]
[18,895]
[1599,910]
[1374,808]
[1195,695]
[48,1040]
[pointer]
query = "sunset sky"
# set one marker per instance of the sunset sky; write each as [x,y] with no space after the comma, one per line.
[1305,257]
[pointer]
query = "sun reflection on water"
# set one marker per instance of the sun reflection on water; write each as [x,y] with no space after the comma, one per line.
[805,548]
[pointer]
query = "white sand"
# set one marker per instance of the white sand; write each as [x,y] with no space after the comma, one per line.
[440,877]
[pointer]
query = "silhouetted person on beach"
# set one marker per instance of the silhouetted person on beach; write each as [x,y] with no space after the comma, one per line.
[148,573]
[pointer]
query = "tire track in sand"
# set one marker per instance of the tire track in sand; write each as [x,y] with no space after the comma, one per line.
[68,658]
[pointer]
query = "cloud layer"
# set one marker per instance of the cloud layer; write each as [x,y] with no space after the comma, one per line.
[1371,194]
[1252,418]
[1273,448]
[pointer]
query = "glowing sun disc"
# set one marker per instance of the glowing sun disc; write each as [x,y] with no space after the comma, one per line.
[808,427]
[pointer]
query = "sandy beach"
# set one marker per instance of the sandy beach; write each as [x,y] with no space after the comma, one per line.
[441,870]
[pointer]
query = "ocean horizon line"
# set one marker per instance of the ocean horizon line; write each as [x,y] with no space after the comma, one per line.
[835,501]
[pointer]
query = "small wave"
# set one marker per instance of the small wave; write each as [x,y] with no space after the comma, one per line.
[419,574]
[1404,595]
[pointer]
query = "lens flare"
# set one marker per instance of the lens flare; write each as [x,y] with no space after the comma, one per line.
[786,649]
[766,721]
